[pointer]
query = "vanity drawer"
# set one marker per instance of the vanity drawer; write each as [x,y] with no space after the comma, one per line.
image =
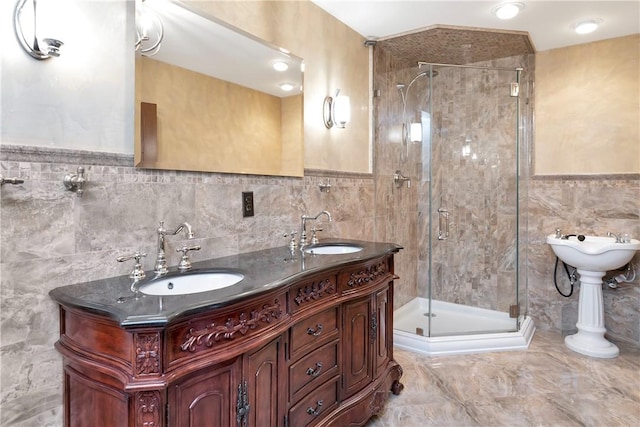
[323,399]
[314,330]
[220,335]
[315,367]
[371,273]
[309,293]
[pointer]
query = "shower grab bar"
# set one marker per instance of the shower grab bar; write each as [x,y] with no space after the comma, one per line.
[443,224]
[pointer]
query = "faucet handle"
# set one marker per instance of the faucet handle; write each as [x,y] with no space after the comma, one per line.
[185,263]
[314,237]
[137,273]
[292,239]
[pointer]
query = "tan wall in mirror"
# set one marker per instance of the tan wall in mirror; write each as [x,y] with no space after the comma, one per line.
[588,108]
[196,132]
[292,128]
[335,58]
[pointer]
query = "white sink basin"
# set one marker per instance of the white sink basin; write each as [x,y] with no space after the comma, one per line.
[191,283]
[332,249]
[593,257]
[594,253]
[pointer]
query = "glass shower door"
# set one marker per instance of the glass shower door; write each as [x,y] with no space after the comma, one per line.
[473,235]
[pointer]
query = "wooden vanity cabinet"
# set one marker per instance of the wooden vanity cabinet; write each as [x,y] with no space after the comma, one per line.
[316,352]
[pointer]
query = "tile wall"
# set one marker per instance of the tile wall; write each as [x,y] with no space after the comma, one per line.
[52,238]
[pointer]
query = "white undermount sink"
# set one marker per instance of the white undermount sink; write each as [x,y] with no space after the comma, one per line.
[594,253]
[191,283]
[332,249]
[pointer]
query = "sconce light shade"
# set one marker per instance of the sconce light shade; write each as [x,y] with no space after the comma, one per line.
[341,111]
[50,47]
[336,111]
[149,29]
[416,132]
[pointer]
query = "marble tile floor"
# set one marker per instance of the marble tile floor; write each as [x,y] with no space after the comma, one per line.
[546,385]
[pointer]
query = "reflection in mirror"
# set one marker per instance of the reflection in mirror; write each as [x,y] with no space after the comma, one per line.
[213,98]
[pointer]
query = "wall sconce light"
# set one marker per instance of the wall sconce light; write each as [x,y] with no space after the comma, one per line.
[416,132]
[43,49]
[336,111]
[149,30]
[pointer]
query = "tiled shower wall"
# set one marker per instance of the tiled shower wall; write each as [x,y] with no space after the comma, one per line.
[50,238]
[476,265]
[588,205]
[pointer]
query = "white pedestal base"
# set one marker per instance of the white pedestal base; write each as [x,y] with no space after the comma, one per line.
[590,338]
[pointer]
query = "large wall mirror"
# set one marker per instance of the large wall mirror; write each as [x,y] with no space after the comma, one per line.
[213,98]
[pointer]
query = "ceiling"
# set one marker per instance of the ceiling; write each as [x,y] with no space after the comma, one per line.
[241,58]
[549,23]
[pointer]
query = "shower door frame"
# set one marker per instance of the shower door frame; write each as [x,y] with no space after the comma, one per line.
[435,206]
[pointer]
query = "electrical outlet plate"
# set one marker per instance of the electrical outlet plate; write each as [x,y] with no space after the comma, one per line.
[247,203]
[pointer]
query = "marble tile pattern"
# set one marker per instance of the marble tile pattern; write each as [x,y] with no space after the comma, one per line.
[469,107]
[546,385]
[586,206]
[52,238]
[589,204]
[445,44]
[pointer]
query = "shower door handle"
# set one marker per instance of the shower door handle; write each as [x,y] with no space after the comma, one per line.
[443,224]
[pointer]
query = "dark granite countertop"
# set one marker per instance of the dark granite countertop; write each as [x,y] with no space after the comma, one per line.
[263,271]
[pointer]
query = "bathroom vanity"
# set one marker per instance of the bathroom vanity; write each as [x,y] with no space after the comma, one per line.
[302,340]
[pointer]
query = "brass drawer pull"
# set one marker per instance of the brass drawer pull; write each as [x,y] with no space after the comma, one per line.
[315,412]
[315,372]
[315,332]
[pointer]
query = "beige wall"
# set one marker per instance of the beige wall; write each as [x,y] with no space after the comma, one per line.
[588,108]
[335,58]
[197,132]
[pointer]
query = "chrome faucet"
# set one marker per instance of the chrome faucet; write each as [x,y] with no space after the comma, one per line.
[303,227]
[161,260]
[619,237]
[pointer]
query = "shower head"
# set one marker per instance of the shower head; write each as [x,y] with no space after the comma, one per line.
[400,86]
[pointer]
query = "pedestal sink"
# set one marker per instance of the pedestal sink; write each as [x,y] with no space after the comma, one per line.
[592,257]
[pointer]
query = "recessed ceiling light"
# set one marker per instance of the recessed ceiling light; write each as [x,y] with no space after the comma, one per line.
[280,66]
[586,27]
[286,87]
[508,10]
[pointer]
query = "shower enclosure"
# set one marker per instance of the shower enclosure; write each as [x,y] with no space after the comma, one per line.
[462,137]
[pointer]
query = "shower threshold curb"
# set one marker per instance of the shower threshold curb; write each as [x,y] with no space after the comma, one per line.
[466,344]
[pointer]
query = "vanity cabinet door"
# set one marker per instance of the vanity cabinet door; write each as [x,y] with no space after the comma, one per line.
[263,372]
[382,327]
[357,341]
[207,398]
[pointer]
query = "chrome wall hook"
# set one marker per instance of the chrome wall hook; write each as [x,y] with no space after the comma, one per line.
[75,182]
[50,47]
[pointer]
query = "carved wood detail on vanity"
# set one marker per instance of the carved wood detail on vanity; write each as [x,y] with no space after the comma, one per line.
[239,324]
[369,274]
[148,408]
[315,351]
[147,353]
[315,290]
